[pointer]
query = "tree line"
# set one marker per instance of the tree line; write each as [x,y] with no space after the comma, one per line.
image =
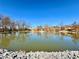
[7,24]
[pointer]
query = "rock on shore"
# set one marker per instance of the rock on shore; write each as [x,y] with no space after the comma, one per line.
[5,54]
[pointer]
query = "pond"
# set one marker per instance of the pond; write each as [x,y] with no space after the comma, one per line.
[39,41]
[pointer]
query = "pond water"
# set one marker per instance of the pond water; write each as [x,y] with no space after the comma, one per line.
[39,41]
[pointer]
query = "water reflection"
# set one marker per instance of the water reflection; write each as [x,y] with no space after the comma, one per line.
[39,41]
[5,39]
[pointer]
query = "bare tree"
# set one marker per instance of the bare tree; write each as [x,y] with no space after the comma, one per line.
[74,23]
[6,23]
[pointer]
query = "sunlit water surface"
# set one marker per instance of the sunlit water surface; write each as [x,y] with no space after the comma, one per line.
[39,41]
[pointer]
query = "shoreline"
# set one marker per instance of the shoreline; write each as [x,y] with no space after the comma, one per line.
[5,54]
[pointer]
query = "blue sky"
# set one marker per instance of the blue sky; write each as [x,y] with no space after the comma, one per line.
[41,12]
